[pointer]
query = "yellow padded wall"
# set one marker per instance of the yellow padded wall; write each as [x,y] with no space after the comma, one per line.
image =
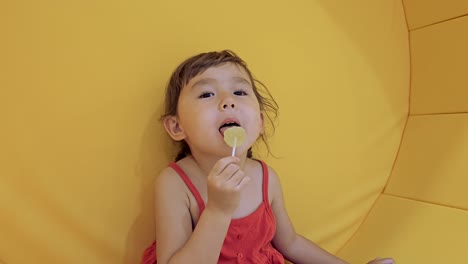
[422,216]
[79,93]
[439,60]
[421,13]
[82,89]
[410,232]
[342,120]
[432,165]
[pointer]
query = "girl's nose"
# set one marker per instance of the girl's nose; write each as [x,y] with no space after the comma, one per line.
[227,102]
[226,106]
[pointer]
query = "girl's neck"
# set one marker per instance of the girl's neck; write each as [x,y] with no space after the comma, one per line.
[206,162]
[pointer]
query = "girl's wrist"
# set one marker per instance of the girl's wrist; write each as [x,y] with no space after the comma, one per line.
[217,212]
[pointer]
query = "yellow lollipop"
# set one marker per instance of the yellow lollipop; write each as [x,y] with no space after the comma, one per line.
[234,136]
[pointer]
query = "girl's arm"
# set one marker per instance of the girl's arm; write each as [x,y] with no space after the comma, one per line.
[175,241]
[294,247]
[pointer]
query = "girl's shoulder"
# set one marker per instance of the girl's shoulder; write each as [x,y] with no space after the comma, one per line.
[170,172]
[168,187]
[168,181]
[175,175]
[272,175]
[274,184]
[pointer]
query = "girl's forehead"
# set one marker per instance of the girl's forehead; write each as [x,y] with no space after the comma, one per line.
[226,71]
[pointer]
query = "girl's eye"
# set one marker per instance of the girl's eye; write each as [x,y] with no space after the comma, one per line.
[206,95]
[240,93]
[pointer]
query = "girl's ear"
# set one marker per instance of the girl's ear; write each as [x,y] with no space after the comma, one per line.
[173,128]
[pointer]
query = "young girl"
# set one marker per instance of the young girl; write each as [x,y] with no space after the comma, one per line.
[212,207]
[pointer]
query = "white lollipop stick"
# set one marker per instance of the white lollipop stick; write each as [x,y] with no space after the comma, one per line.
[234,148]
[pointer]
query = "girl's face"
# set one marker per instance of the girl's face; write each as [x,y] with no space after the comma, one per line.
[220,97]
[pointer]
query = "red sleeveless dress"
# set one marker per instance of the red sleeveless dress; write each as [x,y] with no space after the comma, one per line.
[248,239]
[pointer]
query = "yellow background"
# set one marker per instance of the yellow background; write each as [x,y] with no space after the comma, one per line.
[422,217]
[81,93]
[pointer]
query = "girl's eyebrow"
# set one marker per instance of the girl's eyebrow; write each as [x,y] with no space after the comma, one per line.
[204,81]
[236,79]
[240,80]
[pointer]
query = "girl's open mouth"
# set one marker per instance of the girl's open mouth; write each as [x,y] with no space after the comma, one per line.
[226,126]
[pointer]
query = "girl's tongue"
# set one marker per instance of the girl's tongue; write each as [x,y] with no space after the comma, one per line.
[224,128]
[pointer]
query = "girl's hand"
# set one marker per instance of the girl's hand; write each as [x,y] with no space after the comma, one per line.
[225,182]
[382,261]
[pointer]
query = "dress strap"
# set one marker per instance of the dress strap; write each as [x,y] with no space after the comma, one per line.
[188,182]
[265,182]
[196,194]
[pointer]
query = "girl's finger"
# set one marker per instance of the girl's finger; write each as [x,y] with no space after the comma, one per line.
[242,183]
[229,172]
[387,261]
[382,261]
[221,164]
[236,179]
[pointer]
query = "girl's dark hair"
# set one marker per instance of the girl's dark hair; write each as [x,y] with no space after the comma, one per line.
[196,65]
